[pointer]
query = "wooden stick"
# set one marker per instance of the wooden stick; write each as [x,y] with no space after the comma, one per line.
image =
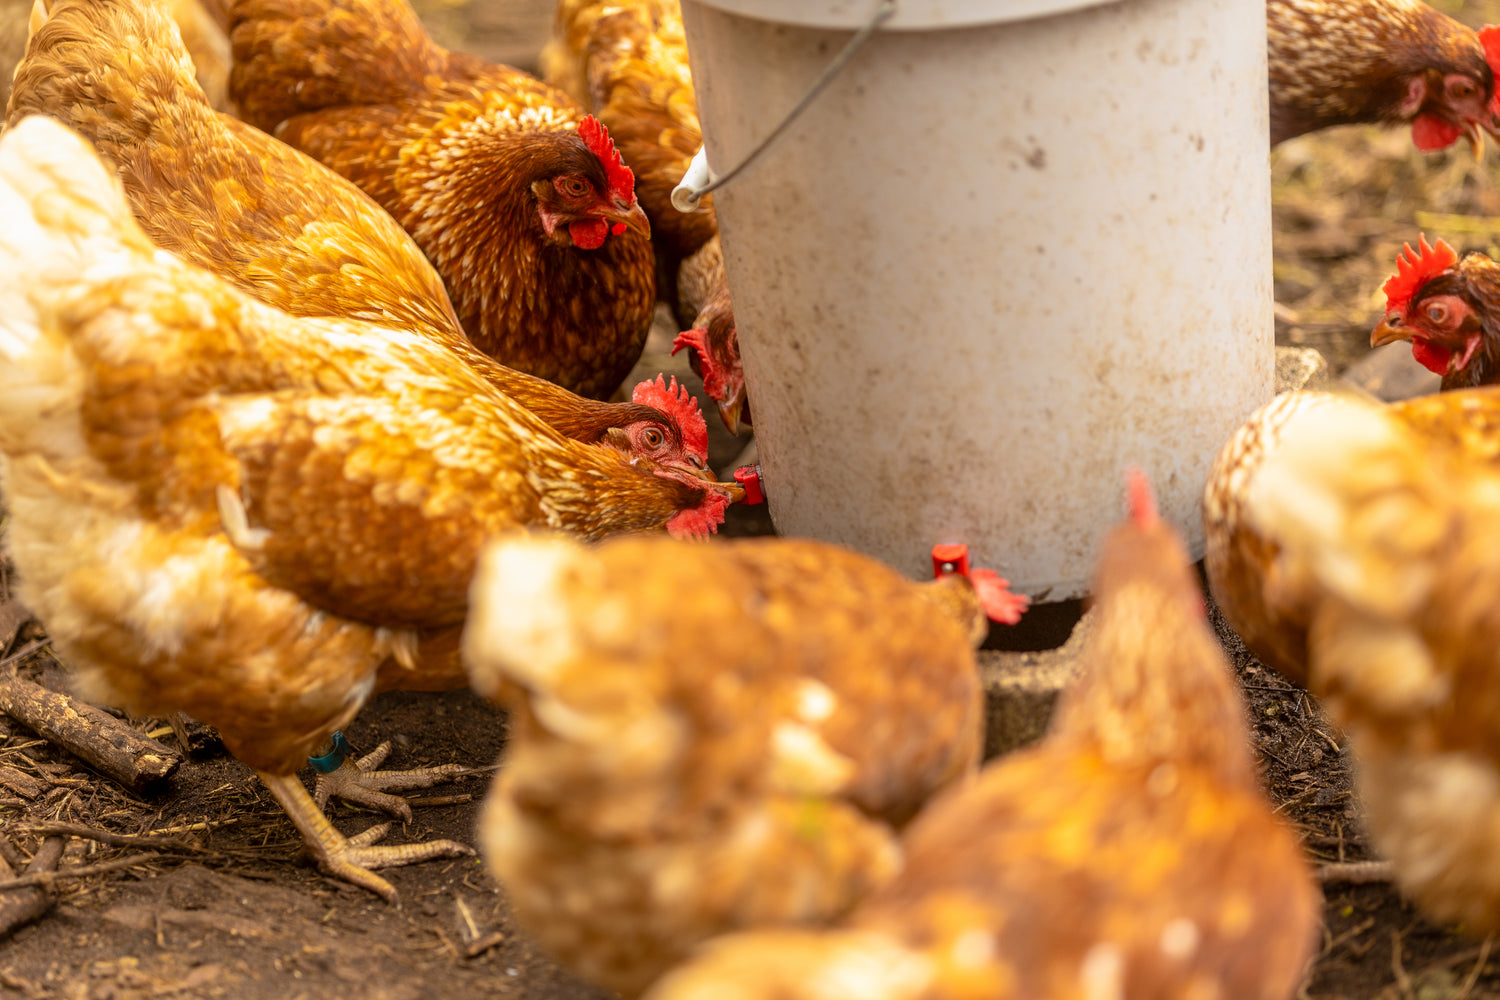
[98,738]
[23,905]
[47,878]
[109,836]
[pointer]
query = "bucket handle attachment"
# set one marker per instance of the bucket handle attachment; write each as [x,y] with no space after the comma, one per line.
[700,178]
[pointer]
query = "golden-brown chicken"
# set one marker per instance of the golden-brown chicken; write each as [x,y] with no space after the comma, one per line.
[221,509]
[1449,309]
[1387,62]
[1238,557]
[518,198]
[278,224]
[687,760]
[1386,542]
[627,62]
[1130,854]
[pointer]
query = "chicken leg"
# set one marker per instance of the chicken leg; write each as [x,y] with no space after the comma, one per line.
[359,781]
[351,858]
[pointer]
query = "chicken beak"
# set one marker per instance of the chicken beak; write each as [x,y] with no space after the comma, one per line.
[1388,333]
[732,408]
[1476,140]
[631,216]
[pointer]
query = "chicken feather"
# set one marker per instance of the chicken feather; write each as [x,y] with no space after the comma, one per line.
[144,388]
[648,803]
[484,165]
[266,217]
[1385,538]
[1130,854]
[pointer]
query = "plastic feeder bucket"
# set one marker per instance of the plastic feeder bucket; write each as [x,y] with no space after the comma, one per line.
[1011,249]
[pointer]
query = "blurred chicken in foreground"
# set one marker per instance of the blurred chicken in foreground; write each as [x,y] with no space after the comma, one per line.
[519,198]
[1385,542]
[221,509]
[687,760]
[1449,309]
[1129,855]
[627,62]
[273,221]
[1385,62]
[1239,556]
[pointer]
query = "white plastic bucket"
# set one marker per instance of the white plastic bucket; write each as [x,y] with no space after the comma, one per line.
[993,263]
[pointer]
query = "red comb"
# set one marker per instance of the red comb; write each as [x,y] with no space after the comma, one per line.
[697,339]
[1489,39]
[1140,498]
[999,604]
[1413,269]
[677,402]
[596,137]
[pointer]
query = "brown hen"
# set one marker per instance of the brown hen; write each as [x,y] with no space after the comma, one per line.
[270,219]
[1386,62]
[1238,557]
[1385,538]
[222,509]
[689,760]
[1130,854]
[519,200]
[628,63]
[1449,309]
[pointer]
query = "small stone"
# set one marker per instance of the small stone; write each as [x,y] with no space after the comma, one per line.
[1301,368]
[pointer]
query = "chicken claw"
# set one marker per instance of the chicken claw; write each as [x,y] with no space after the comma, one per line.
[351,858]
[359,781]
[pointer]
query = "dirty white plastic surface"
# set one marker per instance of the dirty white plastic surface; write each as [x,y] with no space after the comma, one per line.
[910,14]
[991,267]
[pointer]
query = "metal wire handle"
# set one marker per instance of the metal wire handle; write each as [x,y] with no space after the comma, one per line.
[700,178]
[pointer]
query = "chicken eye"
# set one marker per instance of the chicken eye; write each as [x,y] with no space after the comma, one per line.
[1436,312]
[1463,90]
[653,437]
[572,186]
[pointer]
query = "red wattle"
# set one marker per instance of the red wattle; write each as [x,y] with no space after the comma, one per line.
[588,234]
[1430,132]
[1431,356]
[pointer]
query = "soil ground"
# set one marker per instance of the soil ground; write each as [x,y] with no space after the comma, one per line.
[232,913]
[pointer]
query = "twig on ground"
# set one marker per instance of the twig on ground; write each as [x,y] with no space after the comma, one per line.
[1355,872]
[105,743]
[1473,977]
[110,837]
[442,800]
[1403,981]
[20,782]
[26,903]
[481,945]
[46,878]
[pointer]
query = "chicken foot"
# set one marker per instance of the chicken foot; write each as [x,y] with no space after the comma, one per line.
[351,858]
[359,781]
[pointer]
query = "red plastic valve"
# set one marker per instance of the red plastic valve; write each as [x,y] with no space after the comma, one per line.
[950,559]
[748,476]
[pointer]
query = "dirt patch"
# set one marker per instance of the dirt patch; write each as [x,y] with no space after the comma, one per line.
[234,914]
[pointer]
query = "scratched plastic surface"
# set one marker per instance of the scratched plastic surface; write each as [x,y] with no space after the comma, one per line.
[992,266]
